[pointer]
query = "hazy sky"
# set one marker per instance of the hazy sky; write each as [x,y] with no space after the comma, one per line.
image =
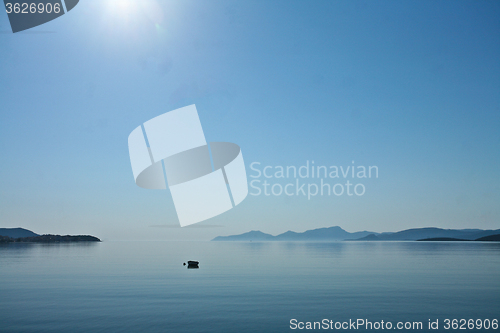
[412,87]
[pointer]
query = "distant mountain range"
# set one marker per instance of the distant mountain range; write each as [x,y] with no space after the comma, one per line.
[20,235]
[322,234]
[338,234]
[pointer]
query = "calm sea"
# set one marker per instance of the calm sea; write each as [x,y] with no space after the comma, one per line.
[243,286]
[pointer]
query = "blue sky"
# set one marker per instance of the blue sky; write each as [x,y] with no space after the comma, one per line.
[412,87]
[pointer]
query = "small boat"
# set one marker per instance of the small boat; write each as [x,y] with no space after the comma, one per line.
[192,264]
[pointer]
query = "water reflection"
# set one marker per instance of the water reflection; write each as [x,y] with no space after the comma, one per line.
[140,286]
[350,247]
[13,249]
[445,248]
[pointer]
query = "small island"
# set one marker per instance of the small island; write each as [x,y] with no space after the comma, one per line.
[20,235]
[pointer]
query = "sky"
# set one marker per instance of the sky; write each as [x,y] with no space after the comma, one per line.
[411,87]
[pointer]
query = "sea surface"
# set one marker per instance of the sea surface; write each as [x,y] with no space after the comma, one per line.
[139,286]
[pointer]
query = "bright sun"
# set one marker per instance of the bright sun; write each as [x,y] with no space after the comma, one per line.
[122,8]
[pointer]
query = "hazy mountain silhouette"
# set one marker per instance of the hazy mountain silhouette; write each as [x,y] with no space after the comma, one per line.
[425,233]
[20,235]
[247,236]
[444,239]
[322,234]
[16,232]
[490,238]
[337,233]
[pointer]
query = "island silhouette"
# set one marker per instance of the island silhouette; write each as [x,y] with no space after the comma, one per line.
[20,235]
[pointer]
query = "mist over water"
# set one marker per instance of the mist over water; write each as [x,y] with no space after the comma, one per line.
[242,286]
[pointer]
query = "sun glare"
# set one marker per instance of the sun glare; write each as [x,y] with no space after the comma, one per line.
[130,11]
[122,8]
[134,22]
